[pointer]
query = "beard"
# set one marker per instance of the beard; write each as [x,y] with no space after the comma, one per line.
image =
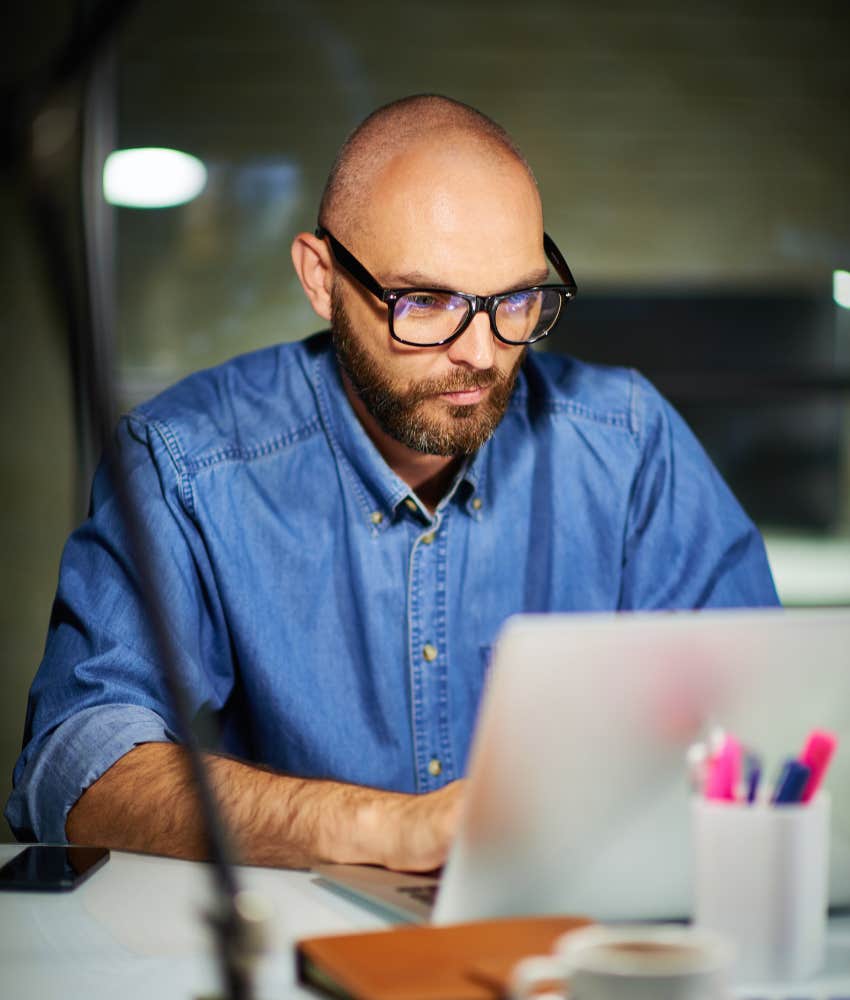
[404,413]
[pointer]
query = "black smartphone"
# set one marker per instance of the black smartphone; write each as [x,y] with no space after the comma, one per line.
[51,868]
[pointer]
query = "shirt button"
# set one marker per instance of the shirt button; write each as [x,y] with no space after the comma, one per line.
[376,517]
[410,503]
[427,539]
[429,652]
[477,503]
[435,768]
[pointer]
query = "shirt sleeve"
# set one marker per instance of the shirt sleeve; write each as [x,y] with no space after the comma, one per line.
[70,759]
[688,542]
[100,689]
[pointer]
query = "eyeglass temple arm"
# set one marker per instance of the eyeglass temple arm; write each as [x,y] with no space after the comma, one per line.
[351,264]
[560,265]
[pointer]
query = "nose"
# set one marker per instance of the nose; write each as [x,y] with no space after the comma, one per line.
[475,347]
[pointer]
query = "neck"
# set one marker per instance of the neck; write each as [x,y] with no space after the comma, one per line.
[429,476]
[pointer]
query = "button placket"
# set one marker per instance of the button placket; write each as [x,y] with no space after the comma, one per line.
[416,670]
[428,666]
[445,755]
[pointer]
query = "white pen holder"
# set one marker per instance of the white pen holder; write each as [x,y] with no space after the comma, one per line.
[761,878]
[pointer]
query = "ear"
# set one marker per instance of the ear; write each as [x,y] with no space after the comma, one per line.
[312,261]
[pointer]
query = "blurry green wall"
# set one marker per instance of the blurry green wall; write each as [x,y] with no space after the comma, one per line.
[36,482]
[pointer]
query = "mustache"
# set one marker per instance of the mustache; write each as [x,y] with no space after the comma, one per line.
[459,381]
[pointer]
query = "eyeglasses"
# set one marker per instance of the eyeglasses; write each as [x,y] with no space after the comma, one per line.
[431,317]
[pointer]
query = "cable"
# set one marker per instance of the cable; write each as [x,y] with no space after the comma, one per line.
[86,306]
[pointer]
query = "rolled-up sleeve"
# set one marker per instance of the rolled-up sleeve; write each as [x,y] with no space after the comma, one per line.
[100,689]
[70,759]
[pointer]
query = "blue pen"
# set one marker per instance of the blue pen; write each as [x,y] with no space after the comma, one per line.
[792,781]
[752,770]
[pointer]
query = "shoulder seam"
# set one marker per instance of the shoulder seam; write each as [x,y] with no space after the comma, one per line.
[621,419]
[613,418]
[261,450]
[178,459]
[634,414]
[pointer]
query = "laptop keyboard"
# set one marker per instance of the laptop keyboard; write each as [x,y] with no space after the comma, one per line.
[421,893]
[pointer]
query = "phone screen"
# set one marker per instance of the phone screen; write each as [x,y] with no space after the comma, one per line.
[51,868]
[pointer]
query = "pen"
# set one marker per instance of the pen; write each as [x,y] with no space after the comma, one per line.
[816,755]
[724,771]
[792,780]
[752,769]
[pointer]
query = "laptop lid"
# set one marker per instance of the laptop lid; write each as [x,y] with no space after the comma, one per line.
[578,797]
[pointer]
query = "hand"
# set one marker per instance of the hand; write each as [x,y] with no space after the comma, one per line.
[418,829]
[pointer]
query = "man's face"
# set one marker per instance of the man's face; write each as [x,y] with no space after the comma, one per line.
[407,411]
[448,220]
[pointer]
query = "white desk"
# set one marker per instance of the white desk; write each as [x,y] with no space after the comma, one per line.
[132,932]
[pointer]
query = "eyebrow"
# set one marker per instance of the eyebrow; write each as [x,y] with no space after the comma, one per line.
[418,279]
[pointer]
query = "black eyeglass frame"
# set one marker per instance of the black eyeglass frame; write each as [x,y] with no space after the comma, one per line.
[476,303]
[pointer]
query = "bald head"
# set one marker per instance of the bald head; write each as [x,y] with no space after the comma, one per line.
[426,194]
[425,121]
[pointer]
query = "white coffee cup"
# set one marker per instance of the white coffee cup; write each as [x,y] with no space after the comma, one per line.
[633,962]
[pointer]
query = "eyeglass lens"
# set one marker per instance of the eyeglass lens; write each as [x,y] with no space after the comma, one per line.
[431,317]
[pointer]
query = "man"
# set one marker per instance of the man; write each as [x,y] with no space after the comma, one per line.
[341,526]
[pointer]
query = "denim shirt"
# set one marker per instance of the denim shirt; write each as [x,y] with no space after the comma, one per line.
[329,622]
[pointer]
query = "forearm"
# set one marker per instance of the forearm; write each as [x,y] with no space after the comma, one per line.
[147,802]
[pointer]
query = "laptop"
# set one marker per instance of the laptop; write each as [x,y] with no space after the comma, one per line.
[578,798]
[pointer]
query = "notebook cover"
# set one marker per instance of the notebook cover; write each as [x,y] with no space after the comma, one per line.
[469,961]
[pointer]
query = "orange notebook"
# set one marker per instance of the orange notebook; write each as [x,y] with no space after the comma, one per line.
[459,962]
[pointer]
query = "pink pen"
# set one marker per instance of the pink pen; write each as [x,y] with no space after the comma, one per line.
[724,771]
[816,755]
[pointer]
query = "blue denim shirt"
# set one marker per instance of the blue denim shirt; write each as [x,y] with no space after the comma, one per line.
[333,625]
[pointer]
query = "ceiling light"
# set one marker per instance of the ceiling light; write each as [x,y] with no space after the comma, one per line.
[841,288]
[152,178]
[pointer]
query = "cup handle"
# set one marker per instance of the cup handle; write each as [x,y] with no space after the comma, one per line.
[530,974]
